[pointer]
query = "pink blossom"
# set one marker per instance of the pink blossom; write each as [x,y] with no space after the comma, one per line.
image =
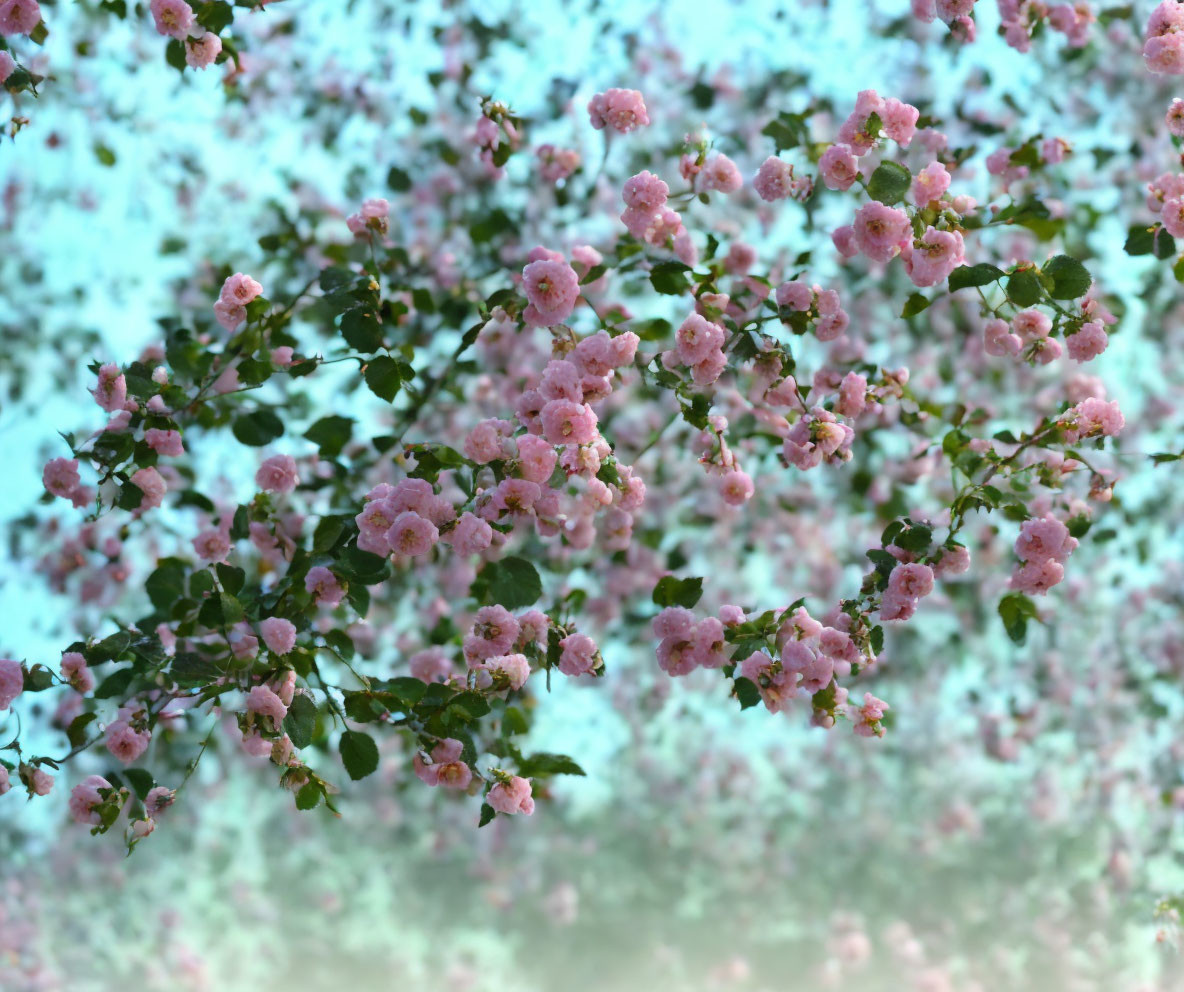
[12,681]
[645,192]
[446,767]
[838,167]
[495,629]
[578,655]
[125,742]
[736,488]
[1089,342]
[84,797]
[514,667]
[412,534]
[552,287]
[323,585]
[565,422]
[1091,417]
[697,338]
[201,52]
[152,485]
[76,673]
[266,703]
[19,16]
[513,796]
[933,256]
[277,474]
[471,535]
[166,443]
[721,174]
[7,68]
[111,391]
[881,231]
[173,18]
[229,315]
[622,110]
[998,339]
[930,184]
[212,544]
[278,634]
[773,180]
[899,120]
[1044,537]
[158,800]
[60,477]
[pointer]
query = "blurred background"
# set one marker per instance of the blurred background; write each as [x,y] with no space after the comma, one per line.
[1020,825]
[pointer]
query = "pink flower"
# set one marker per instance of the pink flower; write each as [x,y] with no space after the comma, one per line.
[60,477]
[912,580]
[485,442]
[720,173]
[277,474]
[1091,417]
[645,192]
[899,120]
[514,667]
[736,488]
[173,18]
[323,585]
[867,717]
[513,796]
[852,395]
[229,315]
[838,167]
[7,68]
[278,634]
[84,797]
[622,110]
[158,800]
[212,544]
[495,629]
[240,289]
[1163,50]
[795,295]
[1089,342]
[152,485]
[5,784]
[411,534]
[430,665]
[266,703]
[933,256]
[566,422]
[1031,325]
[1174,118]
[19,16]
[12,681]
[125,742]
[773,180]
[536,458]
[1037,577]
[446,768]
[471,535]
[998,339]
[201,52]
[111,391]
[165,443]
[930,184]
[1044,537]
[697,338]
[76,672]
[556,163]
[552,288]
[578,655]
[881,231]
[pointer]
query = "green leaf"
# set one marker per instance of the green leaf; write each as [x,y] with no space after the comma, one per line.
[383,377]
[105,155]
[487,814]
[1070,279]
[788,130]
[398,179]
[76,732]
[190,670]
[301,721]
[361,330]
[970,276]
[331,434]
[359,754]
[257,428]
[174,54]
[231,577]
[889,183]
[746,691]
[116,684]
[671,591]
[512,582]
[220,611]
[214,15]
[1143,240]
[309,796]
[669,278]
[140,780]
[545,763]
[1024,288]
[915,304]
[1015,609]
